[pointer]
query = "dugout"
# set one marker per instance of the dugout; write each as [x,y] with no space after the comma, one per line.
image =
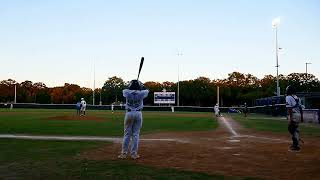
[310,99]
[274,105]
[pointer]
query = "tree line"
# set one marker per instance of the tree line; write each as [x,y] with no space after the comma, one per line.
[236,89]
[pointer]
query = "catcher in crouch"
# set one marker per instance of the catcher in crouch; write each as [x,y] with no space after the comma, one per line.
[134,95]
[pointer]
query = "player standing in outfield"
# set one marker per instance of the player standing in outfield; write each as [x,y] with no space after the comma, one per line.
[133,118]
[216,110]
[83,107]
[78,106]
[294,108]
[112,107]
[245,110]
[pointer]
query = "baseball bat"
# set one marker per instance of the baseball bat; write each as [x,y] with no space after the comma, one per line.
[141,64]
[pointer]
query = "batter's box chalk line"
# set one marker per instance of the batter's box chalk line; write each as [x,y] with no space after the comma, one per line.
[264,138]
[83,138]
[233,140]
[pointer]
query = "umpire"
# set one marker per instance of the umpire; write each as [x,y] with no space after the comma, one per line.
[294,109]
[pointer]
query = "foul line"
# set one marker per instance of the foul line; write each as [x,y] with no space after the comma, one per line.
[79,138]
[265,138]
[235,134]
[227,124]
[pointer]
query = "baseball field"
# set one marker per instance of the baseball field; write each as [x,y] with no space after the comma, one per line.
[57,144]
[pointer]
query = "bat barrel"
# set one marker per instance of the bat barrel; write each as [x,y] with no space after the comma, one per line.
[140,67]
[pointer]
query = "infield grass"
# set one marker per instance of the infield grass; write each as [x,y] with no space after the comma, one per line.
[37,121]
[266,123]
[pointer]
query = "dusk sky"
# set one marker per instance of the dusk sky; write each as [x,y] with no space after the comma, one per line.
[58,41]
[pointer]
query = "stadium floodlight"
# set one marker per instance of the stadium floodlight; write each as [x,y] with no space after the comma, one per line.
[276,22]
[275,25]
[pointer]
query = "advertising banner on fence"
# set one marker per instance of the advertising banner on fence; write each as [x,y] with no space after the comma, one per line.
[164,98]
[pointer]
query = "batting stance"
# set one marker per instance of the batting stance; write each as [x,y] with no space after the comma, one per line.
[294,108]
[133,118]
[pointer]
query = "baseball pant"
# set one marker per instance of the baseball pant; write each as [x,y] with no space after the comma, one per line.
[132,126]
[83,110]
[293,129]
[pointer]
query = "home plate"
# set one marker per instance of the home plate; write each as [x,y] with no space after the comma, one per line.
[234,140]
[226,148]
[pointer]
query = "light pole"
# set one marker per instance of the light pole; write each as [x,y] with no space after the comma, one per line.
[178,97]
[15,93]
[275,25]
[307,70]
[100,103]
[94,82]
[218,95]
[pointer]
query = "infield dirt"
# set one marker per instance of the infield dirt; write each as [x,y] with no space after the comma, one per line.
[254,154]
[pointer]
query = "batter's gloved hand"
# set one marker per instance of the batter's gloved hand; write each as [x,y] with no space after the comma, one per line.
[143,87]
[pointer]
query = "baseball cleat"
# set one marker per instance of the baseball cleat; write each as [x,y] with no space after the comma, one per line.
[301,140]
[294,149]
[122,156]
[135,156]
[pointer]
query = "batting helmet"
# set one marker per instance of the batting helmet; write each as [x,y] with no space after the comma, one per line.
[135,85]
[290,90]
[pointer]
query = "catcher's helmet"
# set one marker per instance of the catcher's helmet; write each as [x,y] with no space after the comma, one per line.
[135,85]
[290,90]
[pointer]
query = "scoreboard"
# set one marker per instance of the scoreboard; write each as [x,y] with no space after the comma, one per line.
[164,97]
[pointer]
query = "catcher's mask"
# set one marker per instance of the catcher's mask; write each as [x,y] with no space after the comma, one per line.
[290,90]
[135,85]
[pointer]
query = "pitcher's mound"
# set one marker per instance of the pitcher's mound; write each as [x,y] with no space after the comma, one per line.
[77,118]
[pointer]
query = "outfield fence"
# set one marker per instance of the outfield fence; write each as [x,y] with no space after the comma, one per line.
[310,115]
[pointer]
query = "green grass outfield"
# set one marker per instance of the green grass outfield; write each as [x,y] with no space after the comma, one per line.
[266,123]
[35,121]
[34,159]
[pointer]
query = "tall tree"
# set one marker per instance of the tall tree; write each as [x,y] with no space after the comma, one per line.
[153,87]
[112,89]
